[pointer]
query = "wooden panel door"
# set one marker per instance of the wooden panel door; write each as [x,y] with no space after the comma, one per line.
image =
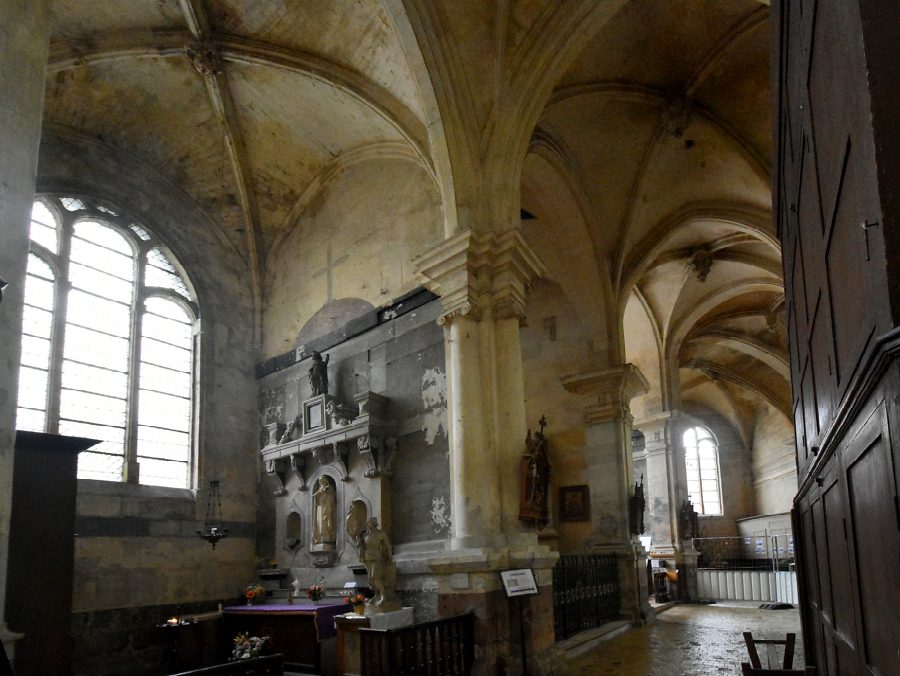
[874,525]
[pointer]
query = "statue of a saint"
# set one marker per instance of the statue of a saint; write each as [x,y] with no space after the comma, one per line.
[375,552]
[318,374]
[324,505]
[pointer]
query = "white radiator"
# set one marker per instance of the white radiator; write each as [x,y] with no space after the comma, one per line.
[747,585]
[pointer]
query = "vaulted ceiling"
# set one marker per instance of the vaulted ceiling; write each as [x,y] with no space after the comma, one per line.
[656,138]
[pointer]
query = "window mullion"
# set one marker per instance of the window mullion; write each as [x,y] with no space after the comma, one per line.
[132,469]
[58,327]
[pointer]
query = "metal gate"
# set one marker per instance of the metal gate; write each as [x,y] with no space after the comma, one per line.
[585,593]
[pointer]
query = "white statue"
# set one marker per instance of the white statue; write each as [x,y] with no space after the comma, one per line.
[375,552]
[324,505]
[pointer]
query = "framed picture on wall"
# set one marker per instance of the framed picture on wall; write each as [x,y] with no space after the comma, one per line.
[574,503]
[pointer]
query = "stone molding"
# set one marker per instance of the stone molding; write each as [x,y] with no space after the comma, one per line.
[474,273]
[608,392]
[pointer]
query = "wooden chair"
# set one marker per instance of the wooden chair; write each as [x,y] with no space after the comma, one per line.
[771,656]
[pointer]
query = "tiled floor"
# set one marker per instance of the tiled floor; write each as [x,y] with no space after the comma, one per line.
[689,640]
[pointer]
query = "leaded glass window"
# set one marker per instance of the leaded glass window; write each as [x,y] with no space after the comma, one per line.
[108,343]
[701,459]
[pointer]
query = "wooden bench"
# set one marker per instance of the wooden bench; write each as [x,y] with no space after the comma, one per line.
[440,648]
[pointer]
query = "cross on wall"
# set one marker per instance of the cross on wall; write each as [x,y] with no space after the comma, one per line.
[330,265]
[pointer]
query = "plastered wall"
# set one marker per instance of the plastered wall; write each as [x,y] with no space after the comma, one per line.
[774,462]
[355,239]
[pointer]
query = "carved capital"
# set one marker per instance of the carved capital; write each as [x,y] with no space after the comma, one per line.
[608,393]
[473,273]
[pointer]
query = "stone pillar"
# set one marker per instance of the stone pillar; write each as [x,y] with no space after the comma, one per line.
[666,490]
[24,34]
[661,484]
[482,280]
[607,396]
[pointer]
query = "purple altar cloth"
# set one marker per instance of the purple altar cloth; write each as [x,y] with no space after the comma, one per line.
[324,613]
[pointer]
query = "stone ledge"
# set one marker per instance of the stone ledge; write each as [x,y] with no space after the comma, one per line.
[591,638]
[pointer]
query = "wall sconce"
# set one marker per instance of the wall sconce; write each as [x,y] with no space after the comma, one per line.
[213,530]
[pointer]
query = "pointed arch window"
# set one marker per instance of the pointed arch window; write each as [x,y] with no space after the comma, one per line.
[701,459]
[108,343]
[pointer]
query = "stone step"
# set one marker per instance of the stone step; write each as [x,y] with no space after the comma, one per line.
[591,638]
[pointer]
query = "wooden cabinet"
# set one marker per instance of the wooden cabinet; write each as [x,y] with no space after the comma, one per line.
[41,551]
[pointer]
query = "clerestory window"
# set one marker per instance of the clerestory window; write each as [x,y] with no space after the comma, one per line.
[701,459]
[108,343]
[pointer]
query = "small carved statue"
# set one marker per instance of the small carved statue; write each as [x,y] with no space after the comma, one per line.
[375,552]
[324,505]
[636,506]
[535,478]
[690,526]
[318,374]
[288,432]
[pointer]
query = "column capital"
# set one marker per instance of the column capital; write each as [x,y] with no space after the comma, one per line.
[474,273]
[608,392]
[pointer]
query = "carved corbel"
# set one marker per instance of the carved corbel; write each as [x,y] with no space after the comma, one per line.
[340,453]
[298,465]
[368,450]
[278,467]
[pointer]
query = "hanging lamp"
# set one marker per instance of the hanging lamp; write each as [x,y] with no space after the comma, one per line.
[213,530]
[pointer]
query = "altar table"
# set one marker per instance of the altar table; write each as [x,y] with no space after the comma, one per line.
[296,630]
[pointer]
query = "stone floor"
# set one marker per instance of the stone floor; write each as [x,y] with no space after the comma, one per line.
[690,640]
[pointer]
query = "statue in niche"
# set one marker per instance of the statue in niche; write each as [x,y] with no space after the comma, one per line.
[324,505]
[375,552]
[357,520]
[535,478]
[636,506]
[318,374]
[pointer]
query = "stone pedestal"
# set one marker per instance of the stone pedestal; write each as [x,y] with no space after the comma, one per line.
[469,581]
[24,33]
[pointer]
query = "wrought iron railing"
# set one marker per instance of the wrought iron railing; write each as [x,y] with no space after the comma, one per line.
[585,593]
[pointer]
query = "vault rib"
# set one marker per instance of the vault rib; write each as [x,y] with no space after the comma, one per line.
[223,105]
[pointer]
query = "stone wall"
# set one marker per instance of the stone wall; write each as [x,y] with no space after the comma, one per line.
[136,553]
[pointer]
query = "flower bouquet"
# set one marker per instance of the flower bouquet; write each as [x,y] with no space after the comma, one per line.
[358,601]
[316,592]
[246,646]
[253,591]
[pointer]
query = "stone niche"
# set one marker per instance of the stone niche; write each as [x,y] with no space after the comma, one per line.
[375,438]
